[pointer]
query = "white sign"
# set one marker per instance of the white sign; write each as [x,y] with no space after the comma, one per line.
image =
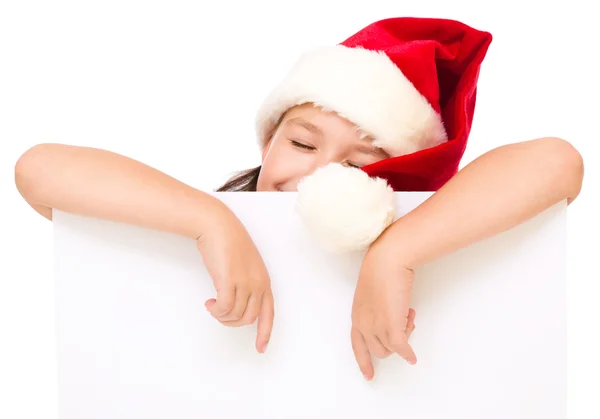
[135,340]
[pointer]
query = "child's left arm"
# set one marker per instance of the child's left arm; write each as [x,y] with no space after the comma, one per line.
[496,192]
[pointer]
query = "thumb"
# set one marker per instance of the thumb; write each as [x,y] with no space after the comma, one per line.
[224,301]
[209,303]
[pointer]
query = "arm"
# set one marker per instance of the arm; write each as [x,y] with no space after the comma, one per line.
[101,184]
[98,183]
[494,193]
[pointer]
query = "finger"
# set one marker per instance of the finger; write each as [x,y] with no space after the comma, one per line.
[223,302]
[395,337]
[410,327]
[398,342]
[361,353]
[409,332]
[265,322]
[249,316]
[239,306]
[376,348]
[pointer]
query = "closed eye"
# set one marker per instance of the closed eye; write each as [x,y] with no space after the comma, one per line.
[300,145]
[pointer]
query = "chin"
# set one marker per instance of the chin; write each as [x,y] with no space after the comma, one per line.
[268,188]
[260,188]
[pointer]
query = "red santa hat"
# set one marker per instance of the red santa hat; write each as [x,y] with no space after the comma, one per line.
[410,83]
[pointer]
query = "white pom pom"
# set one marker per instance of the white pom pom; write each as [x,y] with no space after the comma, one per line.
[343,208]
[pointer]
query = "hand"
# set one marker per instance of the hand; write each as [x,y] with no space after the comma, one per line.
[239,275]
[381,319]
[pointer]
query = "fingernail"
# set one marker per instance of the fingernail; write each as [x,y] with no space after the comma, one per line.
[366,377]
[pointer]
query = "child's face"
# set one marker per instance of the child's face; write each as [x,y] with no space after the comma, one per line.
[308,138]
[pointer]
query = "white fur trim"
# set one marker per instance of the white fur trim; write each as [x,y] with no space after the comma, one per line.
[343,208]
[366,88]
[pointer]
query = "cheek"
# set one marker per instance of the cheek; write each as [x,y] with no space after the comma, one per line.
[271,171]
[282,165]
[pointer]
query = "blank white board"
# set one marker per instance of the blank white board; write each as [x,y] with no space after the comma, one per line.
[135,341]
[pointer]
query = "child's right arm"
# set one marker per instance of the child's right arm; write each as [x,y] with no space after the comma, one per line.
[105,185]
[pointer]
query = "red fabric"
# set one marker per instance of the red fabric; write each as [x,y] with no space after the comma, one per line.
[442,58]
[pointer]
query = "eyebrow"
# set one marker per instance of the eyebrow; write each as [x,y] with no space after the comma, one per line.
[305,124]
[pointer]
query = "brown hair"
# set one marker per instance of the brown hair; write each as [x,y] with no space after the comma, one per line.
[244,181]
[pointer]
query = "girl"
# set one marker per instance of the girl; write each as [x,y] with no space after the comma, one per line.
[389,109]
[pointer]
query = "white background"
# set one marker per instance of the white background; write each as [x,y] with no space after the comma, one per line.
[175,84]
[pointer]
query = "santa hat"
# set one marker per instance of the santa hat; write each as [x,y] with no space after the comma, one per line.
[410,83]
